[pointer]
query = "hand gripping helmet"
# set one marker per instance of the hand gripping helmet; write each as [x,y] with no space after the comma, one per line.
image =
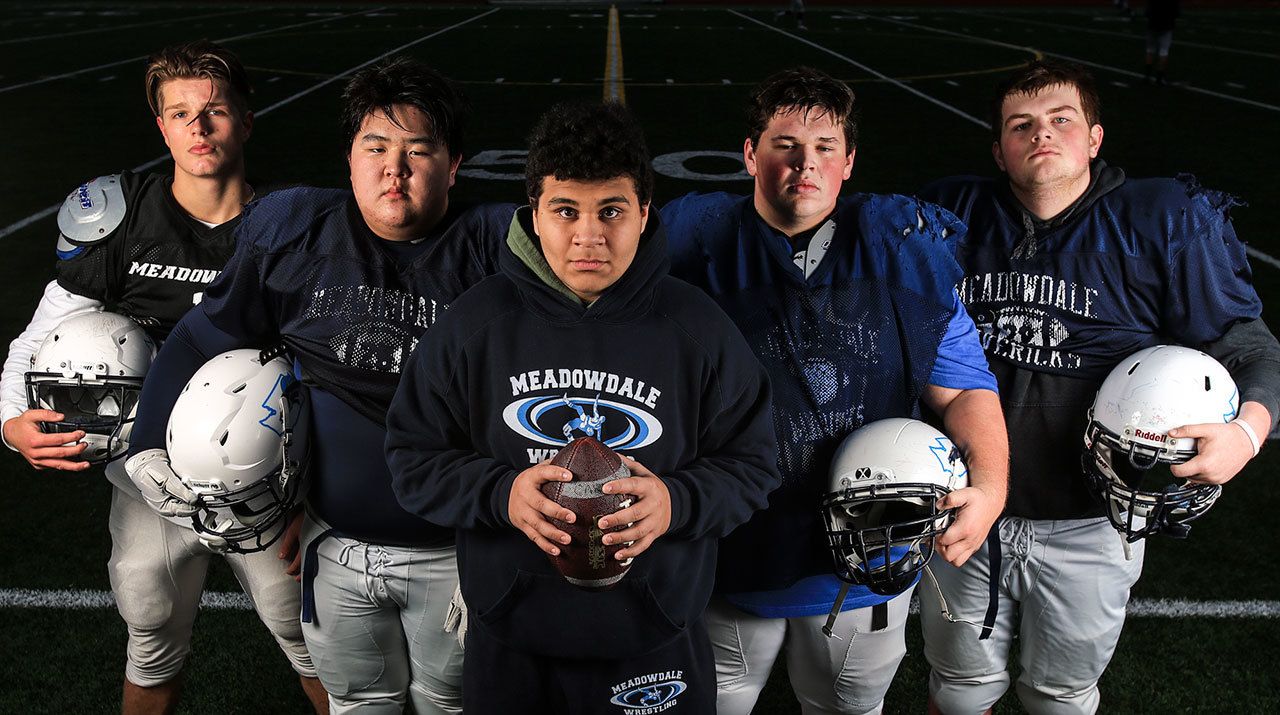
[237,437]
[1127,449]
[881,510]
[90,368]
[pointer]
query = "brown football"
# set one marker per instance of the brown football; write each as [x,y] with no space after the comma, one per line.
[585,561]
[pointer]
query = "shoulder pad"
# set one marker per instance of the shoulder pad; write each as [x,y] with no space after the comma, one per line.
[701,214]
[92,211]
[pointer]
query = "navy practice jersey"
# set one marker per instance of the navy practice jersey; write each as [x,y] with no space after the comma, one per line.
[1135,263]
[309,273]
[351,307]
[156,264]
[855,341]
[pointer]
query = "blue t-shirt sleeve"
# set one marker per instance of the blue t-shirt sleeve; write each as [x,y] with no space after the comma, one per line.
[961,364]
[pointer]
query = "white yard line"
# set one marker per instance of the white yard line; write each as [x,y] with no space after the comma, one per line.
[1087,63]
[1255,253]
[171,20]
[49,210]
[1111,33]
[954,110]
[1265,258]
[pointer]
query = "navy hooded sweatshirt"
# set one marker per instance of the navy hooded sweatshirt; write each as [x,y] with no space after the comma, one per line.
[517,368]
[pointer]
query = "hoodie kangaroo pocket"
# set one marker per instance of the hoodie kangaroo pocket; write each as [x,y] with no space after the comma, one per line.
[544,615]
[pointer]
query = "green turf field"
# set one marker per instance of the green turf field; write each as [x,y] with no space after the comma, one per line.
[73,108]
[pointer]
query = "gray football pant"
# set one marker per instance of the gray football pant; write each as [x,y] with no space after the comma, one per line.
[1063,587]
[157,571]
[378,635]
[849,675]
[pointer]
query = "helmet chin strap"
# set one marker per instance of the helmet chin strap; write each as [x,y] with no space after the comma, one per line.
[946,612]
[835,612]
[1146,461]
[827,629]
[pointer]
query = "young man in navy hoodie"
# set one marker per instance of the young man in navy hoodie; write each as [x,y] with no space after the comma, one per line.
[584,319]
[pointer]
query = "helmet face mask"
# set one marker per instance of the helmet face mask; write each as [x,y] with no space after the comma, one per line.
[1141,495]
[90,368]
[237,437]
[1127,450]
[881,511]
[881,538]
[250,519]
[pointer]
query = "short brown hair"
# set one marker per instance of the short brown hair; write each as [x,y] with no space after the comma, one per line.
[1042,74]
[802,89]
[197,60]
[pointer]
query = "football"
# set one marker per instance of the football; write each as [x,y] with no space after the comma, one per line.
[585,561]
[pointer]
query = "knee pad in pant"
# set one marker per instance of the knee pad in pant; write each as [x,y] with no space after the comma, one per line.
[967,696]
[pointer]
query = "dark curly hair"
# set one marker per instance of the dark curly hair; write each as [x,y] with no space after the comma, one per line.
[402,80]
[802,89]
[1042,74]
[588,141]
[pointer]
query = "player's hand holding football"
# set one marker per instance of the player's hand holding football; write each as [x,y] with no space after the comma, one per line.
[528,510]
[45,451]
[977,508]
[649,517]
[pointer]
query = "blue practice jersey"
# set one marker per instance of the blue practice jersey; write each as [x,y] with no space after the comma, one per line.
[854,339]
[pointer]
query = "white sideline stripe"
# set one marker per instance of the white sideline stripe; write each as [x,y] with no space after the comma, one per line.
[79,600]
[173,20]
[867,69]
[1095,65]
[18,225]
[117,63]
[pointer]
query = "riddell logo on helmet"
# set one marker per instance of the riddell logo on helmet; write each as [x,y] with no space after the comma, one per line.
[1153,436]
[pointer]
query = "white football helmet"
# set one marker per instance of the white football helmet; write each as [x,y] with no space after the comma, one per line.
[881,510]
[237,437]
[1149,393]
[90,368]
